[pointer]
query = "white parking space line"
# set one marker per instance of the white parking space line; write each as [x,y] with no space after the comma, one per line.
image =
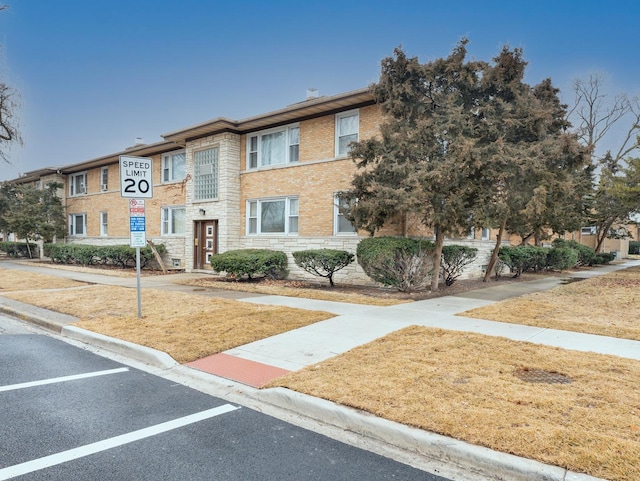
[54,380]
[82,451]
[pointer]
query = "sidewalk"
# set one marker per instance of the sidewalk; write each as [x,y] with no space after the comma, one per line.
[354,325]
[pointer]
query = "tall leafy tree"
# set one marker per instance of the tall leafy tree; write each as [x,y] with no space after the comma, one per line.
[414,167]
[35,214]
[532,175]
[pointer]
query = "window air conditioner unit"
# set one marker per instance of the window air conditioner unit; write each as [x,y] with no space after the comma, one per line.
[104,187]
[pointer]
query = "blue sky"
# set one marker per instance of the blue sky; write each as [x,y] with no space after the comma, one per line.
[96,74]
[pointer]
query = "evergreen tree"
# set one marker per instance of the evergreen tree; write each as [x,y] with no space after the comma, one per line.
[414,167]
[34,214]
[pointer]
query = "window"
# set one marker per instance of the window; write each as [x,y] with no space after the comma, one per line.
[104,179]
[77,224]
[341,224]
[104,222]
[346,131]
[486,234]
[273,147]
[173,166]
[173,220]
[273,216]
[78,184]
[206,174]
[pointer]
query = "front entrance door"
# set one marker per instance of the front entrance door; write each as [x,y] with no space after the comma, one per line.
[205,242]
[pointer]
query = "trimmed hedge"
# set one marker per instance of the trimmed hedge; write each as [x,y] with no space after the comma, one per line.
[521,259]
[454,259]
[634,247]
[604,258]
[323,262]
[251,263]
[19,249]
[562,258]
[400,262]
[115,255]
[586,255]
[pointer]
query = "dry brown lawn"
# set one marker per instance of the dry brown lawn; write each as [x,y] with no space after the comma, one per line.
[607,305]
[17,280]
[303,289]
[464,385]
[186,326]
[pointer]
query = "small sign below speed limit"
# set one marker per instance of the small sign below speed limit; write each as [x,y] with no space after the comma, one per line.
[136,177]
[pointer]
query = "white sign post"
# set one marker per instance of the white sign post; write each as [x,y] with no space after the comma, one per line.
[136,183]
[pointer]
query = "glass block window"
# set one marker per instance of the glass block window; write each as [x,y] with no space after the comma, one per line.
[206,174]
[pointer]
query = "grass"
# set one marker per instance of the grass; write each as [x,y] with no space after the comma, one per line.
[17,280]
[605,305]
[463,385]
[186,326]
[300,289]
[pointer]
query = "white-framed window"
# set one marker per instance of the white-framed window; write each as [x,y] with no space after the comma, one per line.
[173,220]
[104,179]
[591,230]
[273,147]
[104,223]
[205,165]
[174,166]
[341,225]
[347,130]
[77,224]
[486,234]
[272,216]
[78,184]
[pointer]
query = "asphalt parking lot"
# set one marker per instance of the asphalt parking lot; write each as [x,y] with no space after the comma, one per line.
[69,414]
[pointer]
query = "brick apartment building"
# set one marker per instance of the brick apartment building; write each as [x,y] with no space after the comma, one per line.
[268,181]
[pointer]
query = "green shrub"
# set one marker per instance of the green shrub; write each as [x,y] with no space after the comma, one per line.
[562,258]
[521,259]
[603,258]
[115,255]
[323,262]
[251,263]
[19,249]
[586,254]
[400,262]
[454,259]
[634,247]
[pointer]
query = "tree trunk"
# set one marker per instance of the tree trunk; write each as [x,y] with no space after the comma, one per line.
[437,258]
[494,254]
[29,249]
[525,239]
[602,235]
[156,254]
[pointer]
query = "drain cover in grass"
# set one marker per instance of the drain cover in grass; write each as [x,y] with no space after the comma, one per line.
[542,376]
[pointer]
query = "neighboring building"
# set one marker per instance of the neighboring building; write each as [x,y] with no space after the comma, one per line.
[269,181]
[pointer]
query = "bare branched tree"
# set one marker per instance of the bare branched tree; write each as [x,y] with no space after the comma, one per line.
[9,105]
[595,115]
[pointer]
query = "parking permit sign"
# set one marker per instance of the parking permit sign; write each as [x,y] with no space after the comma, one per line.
[137,223]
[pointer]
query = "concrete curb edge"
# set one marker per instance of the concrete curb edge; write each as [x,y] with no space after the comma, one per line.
[474,458]
[143,354]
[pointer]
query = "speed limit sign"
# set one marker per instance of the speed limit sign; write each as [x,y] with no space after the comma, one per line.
[136,177]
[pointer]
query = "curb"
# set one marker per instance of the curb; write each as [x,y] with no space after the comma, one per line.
[50,320]
[143,354]
[474,458]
